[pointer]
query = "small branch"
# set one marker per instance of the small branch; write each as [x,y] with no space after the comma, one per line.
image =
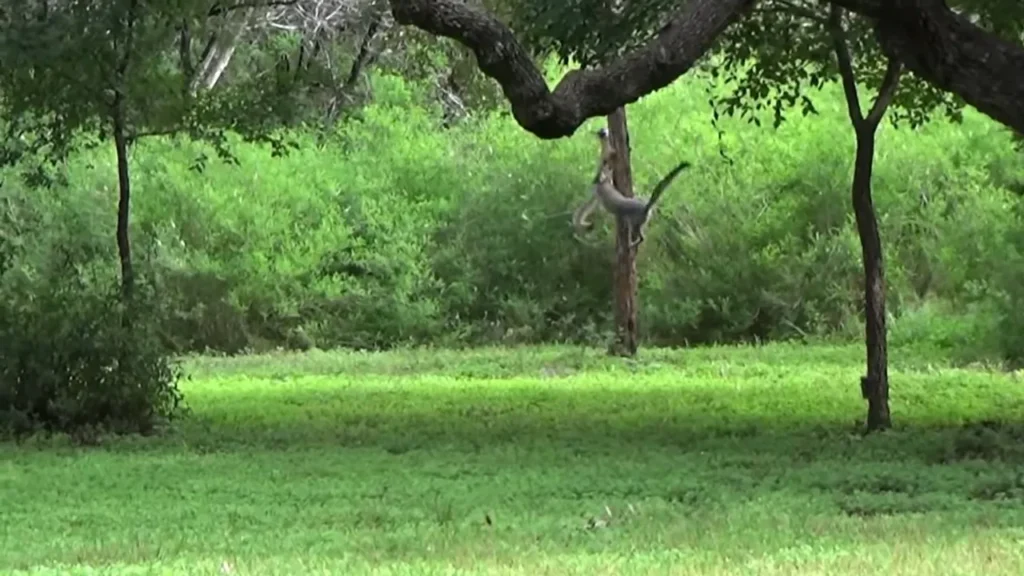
[218,9]
[209,46]
[188,68]
[580,95]
[161,132]
[886,92]
[838,33]
[363,57]
[785,6]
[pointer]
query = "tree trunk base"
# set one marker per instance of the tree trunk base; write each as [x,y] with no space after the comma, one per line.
[876,392]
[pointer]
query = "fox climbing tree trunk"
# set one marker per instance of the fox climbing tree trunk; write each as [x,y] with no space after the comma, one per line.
[626,334]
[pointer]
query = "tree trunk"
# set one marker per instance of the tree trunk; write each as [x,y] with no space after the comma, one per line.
[874,386]
[626,339]
[124,248]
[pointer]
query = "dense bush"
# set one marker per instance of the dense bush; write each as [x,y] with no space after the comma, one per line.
[75,359]
[72,357]
[396,231]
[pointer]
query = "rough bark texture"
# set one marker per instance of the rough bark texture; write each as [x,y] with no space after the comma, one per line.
[581,94]
[938,45]
[955,55]
[874,386]
[627,338]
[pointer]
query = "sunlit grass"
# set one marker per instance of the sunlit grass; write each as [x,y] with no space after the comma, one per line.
[552,460]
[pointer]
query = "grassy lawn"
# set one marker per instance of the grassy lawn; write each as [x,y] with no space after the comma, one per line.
[539,461]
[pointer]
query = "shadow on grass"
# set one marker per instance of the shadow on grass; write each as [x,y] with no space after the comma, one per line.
[738,422]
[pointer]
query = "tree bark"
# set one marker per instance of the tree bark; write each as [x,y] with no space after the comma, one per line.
[945,49]
[119,116]
[124,248]
[875,385]
[626,334]
[955,55]
[581,94]
[220,51]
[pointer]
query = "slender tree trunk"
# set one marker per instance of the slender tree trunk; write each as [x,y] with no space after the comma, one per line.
[626,340]
[875,385]
[124,248]
[124,36]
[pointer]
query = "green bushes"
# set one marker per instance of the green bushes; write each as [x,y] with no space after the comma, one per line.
[396,231]
[72,356]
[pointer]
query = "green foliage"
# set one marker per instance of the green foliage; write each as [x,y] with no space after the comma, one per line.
[71,68]
[589,32]
[1009,277]
[75,359]
[394,232]
[553,460]
[782,53]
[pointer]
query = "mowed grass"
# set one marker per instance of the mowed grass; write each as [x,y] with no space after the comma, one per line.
[537,461]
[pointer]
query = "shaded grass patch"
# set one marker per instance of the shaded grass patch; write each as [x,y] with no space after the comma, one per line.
[552,460]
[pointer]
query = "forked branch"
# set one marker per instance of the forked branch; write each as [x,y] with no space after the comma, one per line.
[581,94]
[886,92]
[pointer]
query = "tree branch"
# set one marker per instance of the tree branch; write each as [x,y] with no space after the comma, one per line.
[185,50]
[938,45]
[785,6]
[218,9]
[363,57]
[581,94]
[886,92]
[952,53]
[838,34]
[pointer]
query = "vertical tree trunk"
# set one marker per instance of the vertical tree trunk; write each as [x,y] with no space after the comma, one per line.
[626,340]
[124,248]
[124,37]
[875,385]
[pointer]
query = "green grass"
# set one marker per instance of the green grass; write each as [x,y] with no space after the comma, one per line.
[710,461]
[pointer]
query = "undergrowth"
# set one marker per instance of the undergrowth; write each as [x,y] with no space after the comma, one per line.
[398,232]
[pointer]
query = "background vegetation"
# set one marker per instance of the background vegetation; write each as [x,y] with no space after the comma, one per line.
[395,230]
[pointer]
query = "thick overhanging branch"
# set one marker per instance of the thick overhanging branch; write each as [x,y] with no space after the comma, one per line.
[952,53]
[581,94]
[927,37]
[955,55]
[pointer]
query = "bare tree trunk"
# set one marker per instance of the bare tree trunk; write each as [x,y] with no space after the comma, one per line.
[124,248]
[119,116]
[220,51]
[626,336]
[874,386]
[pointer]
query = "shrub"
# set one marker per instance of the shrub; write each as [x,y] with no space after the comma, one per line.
[72,356]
